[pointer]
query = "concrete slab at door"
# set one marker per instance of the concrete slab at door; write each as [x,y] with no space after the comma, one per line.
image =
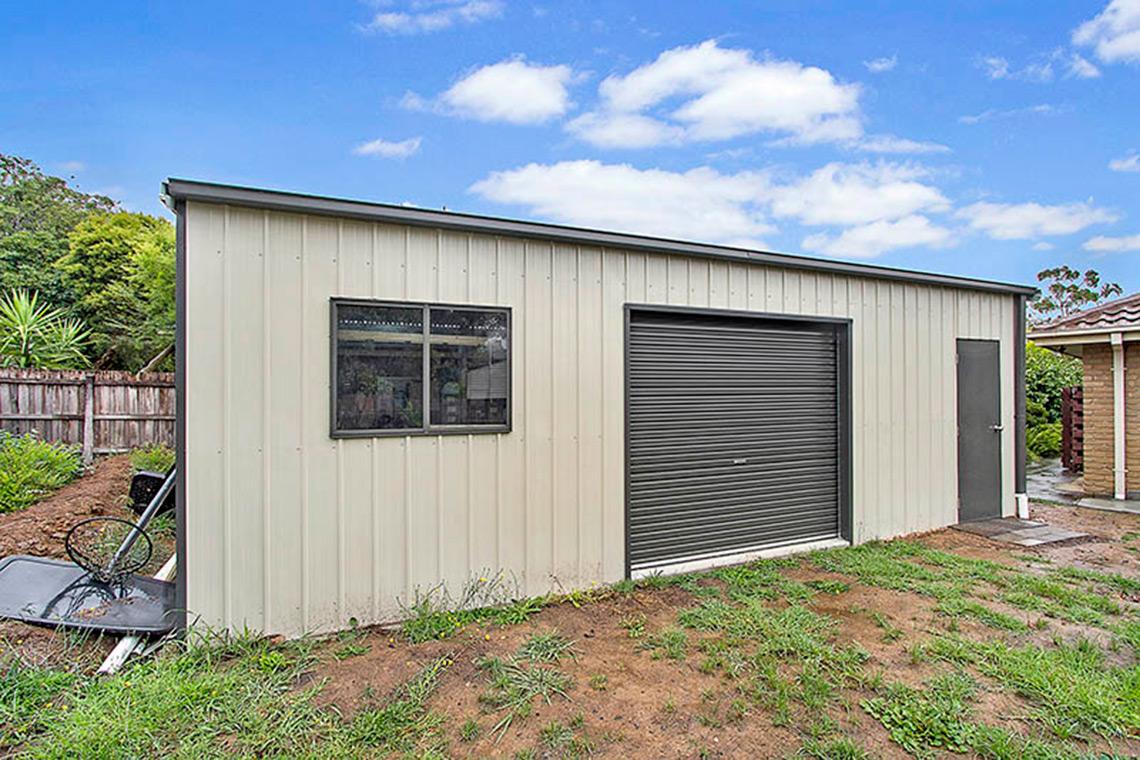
[979,429]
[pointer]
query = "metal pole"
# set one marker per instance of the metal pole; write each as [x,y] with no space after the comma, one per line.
[143,520]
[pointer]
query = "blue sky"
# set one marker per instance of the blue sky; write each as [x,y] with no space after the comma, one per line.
[978,138]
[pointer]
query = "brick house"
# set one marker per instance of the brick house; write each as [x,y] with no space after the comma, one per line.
[1107,340]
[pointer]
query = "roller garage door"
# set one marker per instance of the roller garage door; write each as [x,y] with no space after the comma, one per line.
[733,437]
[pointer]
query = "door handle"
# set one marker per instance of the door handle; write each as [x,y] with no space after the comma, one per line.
[997,428]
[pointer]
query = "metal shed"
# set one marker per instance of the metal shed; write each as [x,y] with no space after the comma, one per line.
[378,400]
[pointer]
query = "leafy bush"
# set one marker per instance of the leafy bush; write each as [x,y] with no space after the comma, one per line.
[34,334]
[1046,373]
[31,468]
[155,457]
[1044,440]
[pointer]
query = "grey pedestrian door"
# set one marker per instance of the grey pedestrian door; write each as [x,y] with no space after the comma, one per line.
[733,436]
[979,430]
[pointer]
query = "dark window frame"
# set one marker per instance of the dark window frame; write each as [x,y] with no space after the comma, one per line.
[427,428]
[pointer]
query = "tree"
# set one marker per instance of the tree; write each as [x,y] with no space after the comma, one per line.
[37,335]
[37,212]
[120,268]
[1069,290]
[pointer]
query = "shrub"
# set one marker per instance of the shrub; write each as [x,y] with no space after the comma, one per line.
[154,457]
[1046,373]
[1044,440]
[31,468]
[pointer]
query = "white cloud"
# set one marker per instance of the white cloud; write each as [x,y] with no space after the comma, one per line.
[879,65]
[385,149]
[1114,34]
[876,238]
[1043,246]
[892,144]
[624,130]
[707,92]
[847,194]
[882,204]
[73,167]
[1081,68]
[1129,163]
[1105,244]
[512,91]
[1042,109]
[995,67]
[1024,221]
[423,17]
[700,204]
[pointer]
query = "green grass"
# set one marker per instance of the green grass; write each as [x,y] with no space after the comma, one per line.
[155,457]
[224,697]
[30,698]
[835,749]
[909,566]
[671,643]
[890,631]
[31,469]
[487,599]
[1076,693]
[973,609]
[404,723]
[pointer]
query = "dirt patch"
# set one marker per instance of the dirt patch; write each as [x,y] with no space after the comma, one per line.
[40,529]
[1108,553]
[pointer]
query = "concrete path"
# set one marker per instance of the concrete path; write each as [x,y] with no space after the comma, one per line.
[1011,530]
[1047,480]
[1111,505]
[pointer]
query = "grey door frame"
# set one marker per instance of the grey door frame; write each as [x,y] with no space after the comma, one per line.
[999,392]
[842,328]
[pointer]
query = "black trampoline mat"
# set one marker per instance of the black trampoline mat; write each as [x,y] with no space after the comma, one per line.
[59,593]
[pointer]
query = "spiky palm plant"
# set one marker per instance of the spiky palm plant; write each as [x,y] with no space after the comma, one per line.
[36,335]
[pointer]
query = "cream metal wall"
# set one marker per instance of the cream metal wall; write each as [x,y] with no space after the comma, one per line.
[291,531]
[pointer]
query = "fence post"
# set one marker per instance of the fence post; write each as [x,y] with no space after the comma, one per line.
[88,418]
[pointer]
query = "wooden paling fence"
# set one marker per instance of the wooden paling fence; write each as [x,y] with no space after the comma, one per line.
[103,411]
[1073,428]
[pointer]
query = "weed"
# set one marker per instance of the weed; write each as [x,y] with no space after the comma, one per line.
[28,699]
[546,647]
[922,720]
[554,735]
[350,650]
[487,599]
[836,749]
[514,686]
[599,682]
[634,626]
[405,721]
[155,457]
[1120,584]
[1075,691]
[469,731]
[890,632]
[671,643]
[669,707]
[829,586]
[31,468]
[981,613]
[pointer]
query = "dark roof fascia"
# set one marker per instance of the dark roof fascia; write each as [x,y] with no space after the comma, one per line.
[175,189]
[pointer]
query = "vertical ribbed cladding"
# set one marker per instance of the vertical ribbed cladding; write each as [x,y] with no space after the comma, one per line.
[733,435]
[546,502]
